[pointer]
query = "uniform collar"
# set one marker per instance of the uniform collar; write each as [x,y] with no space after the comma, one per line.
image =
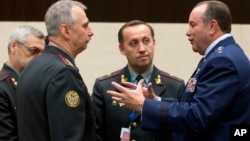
[13,72]
[146,75]
[214,43]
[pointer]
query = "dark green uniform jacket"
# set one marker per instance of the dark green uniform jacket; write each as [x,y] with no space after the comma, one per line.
[53,103]
[110,117]
[8,82]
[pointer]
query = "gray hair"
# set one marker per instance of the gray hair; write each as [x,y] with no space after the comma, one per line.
[220,12]
[59,13]
[20,34]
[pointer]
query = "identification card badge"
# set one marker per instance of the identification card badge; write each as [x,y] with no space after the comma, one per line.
[125,134]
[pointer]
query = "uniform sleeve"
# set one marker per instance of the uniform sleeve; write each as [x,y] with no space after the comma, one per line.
[7,128]
[215,91]
[65,101]
[98,102]
[181,89]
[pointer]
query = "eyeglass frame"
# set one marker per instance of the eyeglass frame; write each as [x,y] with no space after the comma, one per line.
[32,50]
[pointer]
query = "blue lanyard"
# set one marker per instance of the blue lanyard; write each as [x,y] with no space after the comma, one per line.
[132,116]
[133,113]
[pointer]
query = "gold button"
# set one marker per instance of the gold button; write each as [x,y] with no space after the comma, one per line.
[114,103]
[134,124]
[133,140]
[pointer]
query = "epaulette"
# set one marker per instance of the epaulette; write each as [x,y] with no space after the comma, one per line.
[170,76]
[3,76]
[111,75]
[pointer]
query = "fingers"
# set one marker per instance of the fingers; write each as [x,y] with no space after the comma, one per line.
[150,89]
[151,93]
[115,95]
[119,87]
[140,84]
[130,85]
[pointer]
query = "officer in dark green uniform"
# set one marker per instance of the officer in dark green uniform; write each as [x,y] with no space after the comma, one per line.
[115,122]
[25,43]
[52,98]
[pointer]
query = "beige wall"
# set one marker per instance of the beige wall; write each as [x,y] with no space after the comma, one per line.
[173,53]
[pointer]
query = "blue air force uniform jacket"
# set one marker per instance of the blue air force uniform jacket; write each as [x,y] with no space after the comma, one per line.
[110,117]
[53,103]
[8,124]
[216,96]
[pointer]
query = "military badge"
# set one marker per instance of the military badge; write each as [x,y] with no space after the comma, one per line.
[191,85]
[158,80]
[123,79]
[72,98]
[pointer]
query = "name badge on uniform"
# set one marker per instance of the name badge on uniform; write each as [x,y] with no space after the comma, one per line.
[125,134]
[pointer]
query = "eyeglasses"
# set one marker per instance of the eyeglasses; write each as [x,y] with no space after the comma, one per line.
[31,50]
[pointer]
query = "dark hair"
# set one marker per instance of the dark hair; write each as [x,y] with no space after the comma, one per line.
[220,12]
[133,23]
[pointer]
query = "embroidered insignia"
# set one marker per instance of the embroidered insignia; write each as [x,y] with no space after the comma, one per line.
[158,80]
[191,85]
[220,50]
[72,98]
[123,79]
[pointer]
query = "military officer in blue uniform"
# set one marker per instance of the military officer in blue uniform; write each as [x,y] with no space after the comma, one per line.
[218,93]
[137,43]
[25,43]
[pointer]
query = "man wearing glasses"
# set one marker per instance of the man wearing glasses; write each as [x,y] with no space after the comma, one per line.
[25,43]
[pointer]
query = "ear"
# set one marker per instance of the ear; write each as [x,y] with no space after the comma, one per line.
[154,43]
[64,29]
[121,48]
[13,46]
[213,27]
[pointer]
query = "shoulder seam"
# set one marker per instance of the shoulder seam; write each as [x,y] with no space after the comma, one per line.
[111,75]
[163,73]
[3,75]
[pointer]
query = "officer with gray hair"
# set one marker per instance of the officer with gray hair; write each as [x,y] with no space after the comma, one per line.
[25,43]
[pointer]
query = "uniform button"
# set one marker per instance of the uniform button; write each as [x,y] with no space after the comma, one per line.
[134,124]
[114,103]
[133,140]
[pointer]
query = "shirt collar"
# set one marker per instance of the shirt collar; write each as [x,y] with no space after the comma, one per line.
[146,75]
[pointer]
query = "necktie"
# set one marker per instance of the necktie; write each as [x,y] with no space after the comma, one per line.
[138,78]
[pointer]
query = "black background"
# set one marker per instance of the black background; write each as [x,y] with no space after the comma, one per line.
[162,11]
